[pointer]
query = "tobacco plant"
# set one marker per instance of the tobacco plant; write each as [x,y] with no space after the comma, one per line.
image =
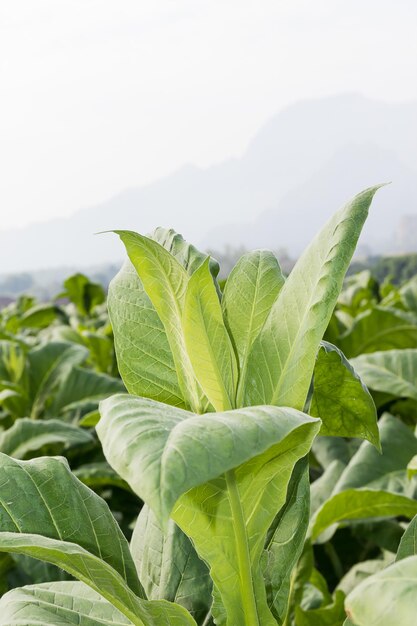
[227,393]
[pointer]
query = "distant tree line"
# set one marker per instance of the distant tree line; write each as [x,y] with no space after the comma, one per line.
[396,269]
[44,285]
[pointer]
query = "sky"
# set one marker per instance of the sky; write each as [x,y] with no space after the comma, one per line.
[97,96]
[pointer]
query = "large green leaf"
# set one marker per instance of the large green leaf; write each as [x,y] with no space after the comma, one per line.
[329,449]
[358,504]
[282,358]
[165,281]
[330,615]
[101,349]
[380,329]
[251,289]
[391,371]
[49,483]
[82,385]
[285,541]
[143,354]
[340,399]
[168,565]
[64,523]
[100,474]
[208,342]
[183,464]
[49,365]
[360,571]
[387,471]
[387,598]
[188,255]
[361,293]
[27,436]
[100,576]
[408,543]
[367,469]
[60,604]
[43,315]
[408,293]
[322,488]
[12,360]
[83,293]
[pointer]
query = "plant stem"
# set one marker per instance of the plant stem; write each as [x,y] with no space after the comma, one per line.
[242,549]
[334,559]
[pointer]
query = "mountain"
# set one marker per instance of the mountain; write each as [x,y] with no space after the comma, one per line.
[302,165]
[294,220]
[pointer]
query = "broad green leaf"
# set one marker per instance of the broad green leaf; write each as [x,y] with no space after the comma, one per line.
[43,315]
[143,354]
[302,574]
[101,351]
[329,449]
[12,360]
[34,572]
[408,543]
[165,281]
[27,436]
[82,385]
[282,358]
[181,463]
[391,371]
[361,292]
[97,475]
[285,541]
[340,399]
[83,293]
[90,419]
[387,598]
[88,544]
[251,289]
[408,293]
[358,504]
[380,329]
[207,340]
[330,615]
[60,604]
[168,565]
[49,365]
[101,577]
[360,571]
[14,399]
[227,498]
[49,483]
[387,471]
[184,449]
[385,534]
[187,254]
[322,488]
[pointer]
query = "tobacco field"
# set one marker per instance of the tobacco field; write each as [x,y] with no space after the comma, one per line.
[185,451]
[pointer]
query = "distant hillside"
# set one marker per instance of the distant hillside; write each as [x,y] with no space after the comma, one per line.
[302,165]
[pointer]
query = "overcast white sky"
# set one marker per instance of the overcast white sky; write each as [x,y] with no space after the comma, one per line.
[100,95]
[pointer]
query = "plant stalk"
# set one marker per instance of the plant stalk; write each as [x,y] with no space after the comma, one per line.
[242,549]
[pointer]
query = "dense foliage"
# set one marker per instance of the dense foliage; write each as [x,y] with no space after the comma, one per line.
[396,269]
[269,434]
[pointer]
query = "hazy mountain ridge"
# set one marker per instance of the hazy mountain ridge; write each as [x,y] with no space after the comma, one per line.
[301,166]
